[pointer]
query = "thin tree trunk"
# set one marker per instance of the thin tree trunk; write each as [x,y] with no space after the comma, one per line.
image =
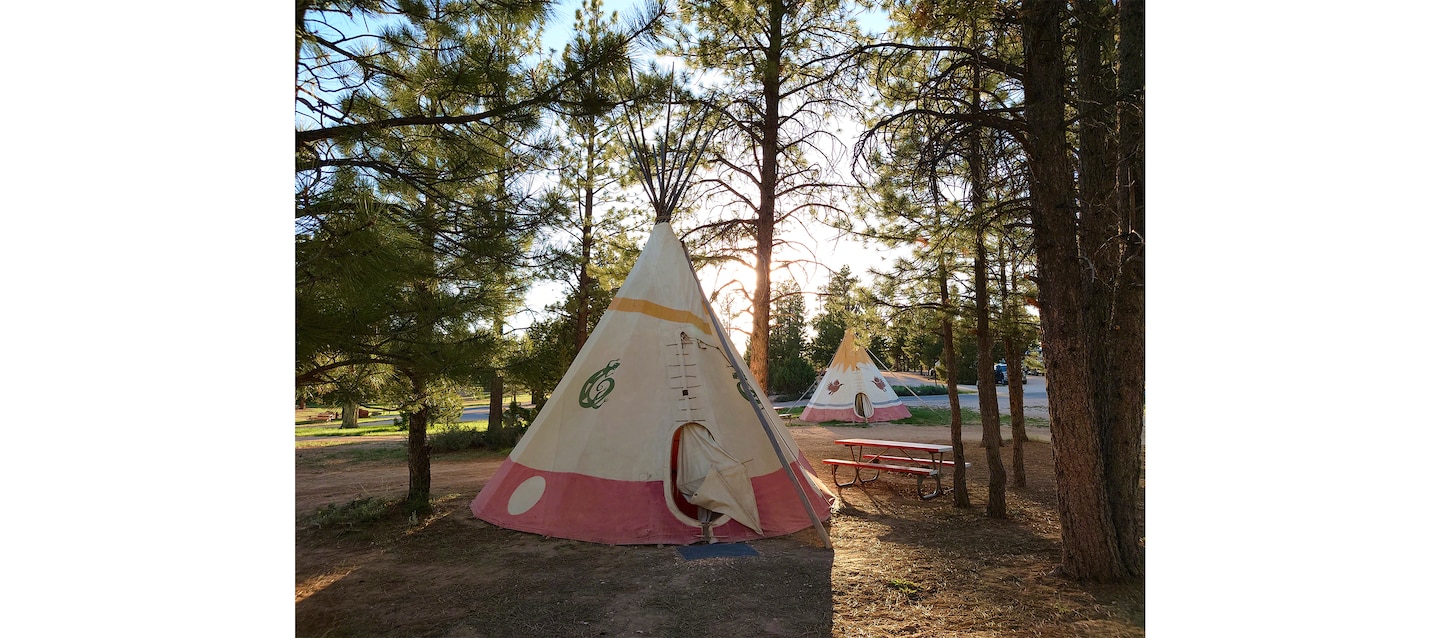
[418,454]
[1089,549]
[947,342]
[495,427]
[587,241]
[418,444]
[1013,361]
[989,401]
[1018,437]
[1017,389]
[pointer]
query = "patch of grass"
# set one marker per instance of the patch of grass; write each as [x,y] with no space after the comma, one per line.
[1030,422]
[912,591]
[968,416]
[903,586]
[347,451]
[937,416]
[929,390]
[307,416]
[348,515]
[385,427]
[305,445]
[368,453]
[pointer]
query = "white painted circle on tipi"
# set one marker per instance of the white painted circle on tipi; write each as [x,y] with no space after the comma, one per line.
[526,495]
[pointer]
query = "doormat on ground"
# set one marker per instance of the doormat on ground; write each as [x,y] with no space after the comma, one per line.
[717,550]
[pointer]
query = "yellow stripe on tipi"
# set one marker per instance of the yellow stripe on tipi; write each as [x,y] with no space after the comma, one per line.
[625,304]
[849,356]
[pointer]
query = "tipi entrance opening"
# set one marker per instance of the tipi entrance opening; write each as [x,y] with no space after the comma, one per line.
[863,407]
[677,498]
[708,486]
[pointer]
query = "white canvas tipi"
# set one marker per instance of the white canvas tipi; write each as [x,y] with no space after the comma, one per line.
[853,389]
[649,437]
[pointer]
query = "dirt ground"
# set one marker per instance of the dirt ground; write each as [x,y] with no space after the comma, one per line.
[900,566]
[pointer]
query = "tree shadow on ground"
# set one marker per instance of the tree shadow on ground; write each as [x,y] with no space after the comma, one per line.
[454,575]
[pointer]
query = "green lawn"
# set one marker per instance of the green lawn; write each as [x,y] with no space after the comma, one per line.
[929,390]
[968,416]
[333,429]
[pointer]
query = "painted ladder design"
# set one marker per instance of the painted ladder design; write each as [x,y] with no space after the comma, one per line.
[683,378]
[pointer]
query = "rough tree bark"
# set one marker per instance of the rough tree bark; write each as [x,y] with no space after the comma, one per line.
[350,415]
[1089,547]
[1125,440]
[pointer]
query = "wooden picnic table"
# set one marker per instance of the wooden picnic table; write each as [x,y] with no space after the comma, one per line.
[921,460]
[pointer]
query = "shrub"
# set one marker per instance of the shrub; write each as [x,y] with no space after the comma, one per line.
[921,390]
[456,439]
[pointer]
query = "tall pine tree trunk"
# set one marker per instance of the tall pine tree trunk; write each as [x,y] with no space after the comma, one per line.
[1125,440]
[1089,548]
[765,214]
[350,415]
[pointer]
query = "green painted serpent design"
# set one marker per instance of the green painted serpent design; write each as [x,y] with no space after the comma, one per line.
[598,386]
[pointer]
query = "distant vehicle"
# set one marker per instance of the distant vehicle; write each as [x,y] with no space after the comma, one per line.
[1001,376]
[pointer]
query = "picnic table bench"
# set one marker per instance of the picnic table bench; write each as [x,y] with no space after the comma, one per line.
[900,457]
[324,416]
[905,459]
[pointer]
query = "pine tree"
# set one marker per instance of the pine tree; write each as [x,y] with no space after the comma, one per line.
[780,59]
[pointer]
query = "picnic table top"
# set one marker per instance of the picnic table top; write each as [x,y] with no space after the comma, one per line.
[899,445]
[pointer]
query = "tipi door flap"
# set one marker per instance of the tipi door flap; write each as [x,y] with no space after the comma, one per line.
[709,477]
[863,407]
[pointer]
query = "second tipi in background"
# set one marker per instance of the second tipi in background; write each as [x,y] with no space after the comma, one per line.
[853,389]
